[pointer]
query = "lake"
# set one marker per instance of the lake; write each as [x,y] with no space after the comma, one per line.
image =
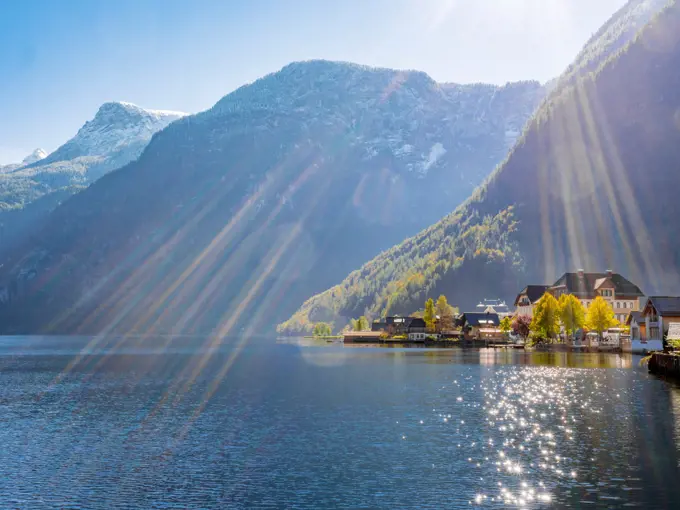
[256,423]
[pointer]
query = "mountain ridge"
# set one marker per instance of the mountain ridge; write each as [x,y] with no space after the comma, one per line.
[284,185]
[29,191]
[572,193]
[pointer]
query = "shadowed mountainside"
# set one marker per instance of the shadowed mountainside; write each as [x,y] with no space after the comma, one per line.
[592,184]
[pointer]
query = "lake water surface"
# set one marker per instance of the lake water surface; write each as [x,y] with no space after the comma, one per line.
[256,423]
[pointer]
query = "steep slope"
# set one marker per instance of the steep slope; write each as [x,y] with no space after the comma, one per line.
[115,136]
[234,215]
[592,184]
[615,34]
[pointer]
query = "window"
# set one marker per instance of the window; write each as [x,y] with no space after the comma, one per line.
[654,333]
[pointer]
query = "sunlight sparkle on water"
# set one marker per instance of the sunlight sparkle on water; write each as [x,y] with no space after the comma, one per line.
[525,412]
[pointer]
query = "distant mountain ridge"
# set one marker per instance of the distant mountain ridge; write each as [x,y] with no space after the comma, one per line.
[590,184]
[118,131]
[278,190]
[34,157]
[116,135]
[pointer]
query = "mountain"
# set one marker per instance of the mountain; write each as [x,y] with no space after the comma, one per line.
[615,34]
[591,184]
[115,136]
[34,157]
[233,216]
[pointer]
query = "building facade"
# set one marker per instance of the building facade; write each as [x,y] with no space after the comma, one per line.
[638,326]
[659,313]
[480,326]
[398,325]
[623,295]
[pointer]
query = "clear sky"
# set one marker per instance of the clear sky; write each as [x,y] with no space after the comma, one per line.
[59,60]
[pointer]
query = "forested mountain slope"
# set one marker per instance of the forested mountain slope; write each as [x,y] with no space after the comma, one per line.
[616,33]
[232,217]
[592,184]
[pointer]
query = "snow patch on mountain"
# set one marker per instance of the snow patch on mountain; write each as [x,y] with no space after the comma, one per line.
[436,152]
[35,156]
[404,150]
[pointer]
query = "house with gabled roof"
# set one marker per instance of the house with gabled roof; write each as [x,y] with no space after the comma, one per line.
[527,298]
[659,313]
[480,326]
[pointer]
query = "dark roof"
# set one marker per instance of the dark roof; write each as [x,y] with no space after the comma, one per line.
[584,287]
[397,319]
[378,326]
[665,305]
[639,318]
[405,322]
[533,292]
[474,318]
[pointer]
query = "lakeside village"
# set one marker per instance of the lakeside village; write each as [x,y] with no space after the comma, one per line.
[580,311]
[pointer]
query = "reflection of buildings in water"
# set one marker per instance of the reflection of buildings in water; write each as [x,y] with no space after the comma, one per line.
[675,407]
[625,360]
[554,359]
[487,356]
[501,357]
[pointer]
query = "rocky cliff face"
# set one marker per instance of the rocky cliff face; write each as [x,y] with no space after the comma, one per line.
[232,215]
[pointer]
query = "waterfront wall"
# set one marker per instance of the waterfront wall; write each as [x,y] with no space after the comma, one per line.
[666,365]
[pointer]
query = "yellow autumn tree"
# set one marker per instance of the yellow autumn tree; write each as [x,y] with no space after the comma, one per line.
[445,312]
[362,324]
[430,315]
[505,325]
[600,316]
[571,312]
[545,323]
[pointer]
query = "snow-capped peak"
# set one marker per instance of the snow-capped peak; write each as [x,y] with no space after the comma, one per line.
[159,113]
[34,156]
[115,126]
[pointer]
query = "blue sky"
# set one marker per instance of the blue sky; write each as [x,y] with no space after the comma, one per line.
[60,60]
